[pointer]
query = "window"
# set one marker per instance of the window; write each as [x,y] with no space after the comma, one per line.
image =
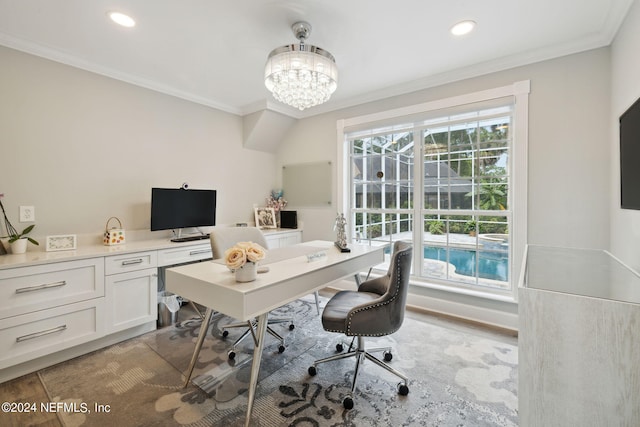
[466,217]
[382,186]
[443,179]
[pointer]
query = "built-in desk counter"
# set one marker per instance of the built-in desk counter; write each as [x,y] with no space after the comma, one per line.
[59,305]
[579,339]
[277,237]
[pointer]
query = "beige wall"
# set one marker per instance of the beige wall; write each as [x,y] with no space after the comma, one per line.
[568,155]
[625,89]
[81,147]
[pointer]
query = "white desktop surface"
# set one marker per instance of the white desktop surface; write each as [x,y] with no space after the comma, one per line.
[584,272]
[92,246]
[213,285]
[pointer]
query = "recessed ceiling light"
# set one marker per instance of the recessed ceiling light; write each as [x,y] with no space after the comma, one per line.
[122,19]
[462,28]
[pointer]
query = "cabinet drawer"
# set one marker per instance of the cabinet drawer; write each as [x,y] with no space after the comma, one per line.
[36,334]
[184,254]
[27,289]
[130,262]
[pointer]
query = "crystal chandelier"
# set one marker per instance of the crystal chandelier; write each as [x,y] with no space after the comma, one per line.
[301,75]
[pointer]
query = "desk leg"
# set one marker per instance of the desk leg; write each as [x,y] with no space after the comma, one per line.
[201,336]
[255,365]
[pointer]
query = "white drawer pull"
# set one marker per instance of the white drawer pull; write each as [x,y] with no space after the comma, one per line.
[201,251]
[132,261]
[41,333]
[40,287]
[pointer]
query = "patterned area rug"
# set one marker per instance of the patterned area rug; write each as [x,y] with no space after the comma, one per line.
[456,379]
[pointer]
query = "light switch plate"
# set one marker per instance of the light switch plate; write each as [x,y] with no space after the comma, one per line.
[27,214]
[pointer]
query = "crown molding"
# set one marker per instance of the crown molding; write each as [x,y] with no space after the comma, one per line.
[66,59]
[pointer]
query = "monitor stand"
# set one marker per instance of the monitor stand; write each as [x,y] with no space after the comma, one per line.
[189,238]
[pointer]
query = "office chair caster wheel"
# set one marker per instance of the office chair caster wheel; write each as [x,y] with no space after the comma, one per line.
[281,349]
[225,334]
[339,348]
[292,327]
[312,371]
[231,354]
[403,390]
[347,403]
[388,356]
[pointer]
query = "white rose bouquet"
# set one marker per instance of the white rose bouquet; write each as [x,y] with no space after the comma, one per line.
[243,252]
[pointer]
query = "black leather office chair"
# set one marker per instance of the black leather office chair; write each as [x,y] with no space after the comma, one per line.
[222,238]
[375,309]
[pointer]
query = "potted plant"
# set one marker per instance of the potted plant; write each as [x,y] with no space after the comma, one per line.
[4,238]
[14,240]
[18,241]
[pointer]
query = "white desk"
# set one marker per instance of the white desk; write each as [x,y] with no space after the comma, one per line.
[213,285]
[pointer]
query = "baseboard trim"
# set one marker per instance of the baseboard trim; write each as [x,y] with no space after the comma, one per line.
[486,316]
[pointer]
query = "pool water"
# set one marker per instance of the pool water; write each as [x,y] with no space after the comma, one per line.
[491,265]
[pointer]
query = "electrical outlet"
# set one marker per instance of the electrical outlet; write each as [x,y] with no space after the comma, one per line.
[27,214]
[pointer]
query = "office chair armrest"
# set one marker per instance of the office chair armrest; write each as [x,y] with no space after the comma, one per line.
[378,285]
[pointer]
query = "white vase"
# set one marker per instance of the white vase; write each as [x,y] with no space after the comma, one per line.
[247,273]
[19,246]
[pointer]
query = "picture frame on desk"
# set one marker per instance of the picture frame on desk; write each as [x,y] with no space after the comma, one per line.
[62,242]
[265,218]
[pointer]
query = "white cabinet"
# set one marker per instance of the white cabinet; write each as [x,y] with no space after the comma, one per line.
[131,285]
[578,340]
[52,309]
[48,308]
[280,239]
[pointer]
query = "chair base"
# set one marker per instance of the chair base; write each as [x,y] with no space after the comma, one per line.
[360,354]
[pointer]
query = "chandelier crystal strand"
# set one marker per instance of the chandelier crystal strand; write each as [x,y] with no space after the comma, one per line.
[301,76]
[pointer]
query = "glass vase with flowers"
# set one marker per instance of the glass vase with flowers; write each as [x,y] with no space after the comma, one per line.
[277,202]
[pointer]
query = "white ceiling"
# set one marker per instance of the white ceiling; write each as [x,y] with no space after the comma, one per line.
[214,51]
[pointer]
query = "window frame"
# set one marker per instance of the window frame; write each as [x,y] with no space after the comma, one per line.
[519,92]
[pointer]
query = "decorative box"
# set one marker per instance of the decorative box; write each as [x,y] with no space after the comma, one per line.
[114,235]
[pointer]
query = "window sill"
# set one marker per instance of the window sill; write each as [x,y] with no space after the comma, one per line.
[463,291]
[424,283]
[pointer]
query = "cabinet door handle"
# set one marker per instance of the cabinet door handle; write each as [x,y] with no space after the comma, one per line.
[132,261]
[41,333]
[40,287]
[201,251]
